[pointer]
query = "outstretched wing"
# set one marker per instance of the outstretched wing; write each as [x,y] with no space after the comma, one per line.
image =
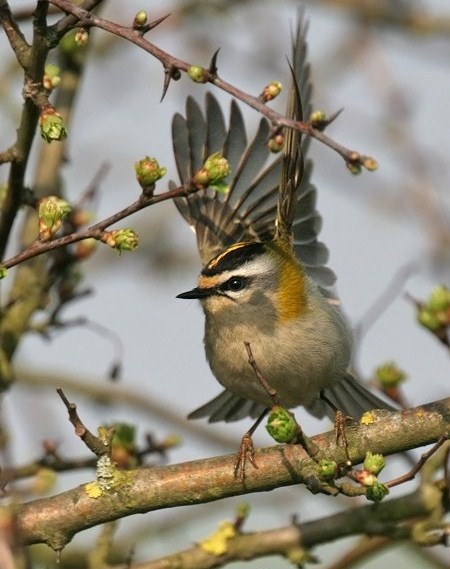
[264,198]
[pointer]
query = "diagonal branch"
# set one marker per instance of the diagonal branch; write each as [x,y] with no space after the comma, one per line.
[172,64]
[94,231]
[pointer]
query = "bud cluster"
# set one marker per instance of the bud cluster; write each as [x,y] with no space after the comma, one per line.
[434,314]
[276,143]
[213,173]
[281,425]
[390,375]
[367,477]
[52,125]
[148,172]
[121,239]
[270,91]
[52,77]
[52,211]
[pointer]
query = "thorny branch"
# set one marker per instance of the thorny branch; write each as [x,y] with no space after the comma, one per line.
[172,65]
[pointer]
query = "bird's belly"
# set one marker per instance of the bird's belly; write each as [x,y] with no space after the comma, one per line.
[296,365]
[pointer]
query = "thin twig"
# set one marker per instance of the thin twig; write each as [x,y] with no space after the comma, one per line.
[424,457]
[94,231]
[97,445]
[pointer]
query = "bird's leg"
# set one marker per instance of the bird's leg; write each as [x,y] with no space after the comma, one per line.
[339,426]
[271,392]
[246,450]
[299,438]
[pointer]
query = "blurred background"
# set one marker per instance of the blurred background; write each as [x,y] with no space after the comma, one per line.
[387,64]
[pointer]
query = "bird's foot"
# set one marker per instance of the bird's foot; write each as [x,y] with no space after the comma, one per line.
[246,453]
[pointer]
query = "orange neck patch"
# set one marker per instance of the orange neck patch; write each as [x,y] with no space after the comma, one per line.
[291,291]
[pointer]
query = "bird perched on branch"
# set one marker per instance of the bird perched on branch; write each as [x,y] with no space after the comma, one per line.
[264,286]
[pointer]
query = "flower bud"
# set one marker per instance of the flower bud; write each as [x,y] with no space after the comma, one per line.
[121,239]
[390,375]
[364,477]
[374,463]
[3,272]
[276,143]
[81,37]
[52,125]
[148,172]
[271,91]
[377,492]
[197,74]
[52,211]
[281,425]
[52,77]
[215,169]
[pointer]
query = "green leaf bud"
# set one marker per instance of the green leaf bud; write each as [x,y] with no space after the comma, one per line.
[81,37]
[318,119]
[52,125]
[140,19]
[428,319]
[213,172]
[52,211]
[121,239]
[374,463]
[377,492]
[276,143]
[439,299]
[328,469]
[353,167]
[390,375]
[270,91]
[52,77]
[148,171]
[198,74]
[281,425]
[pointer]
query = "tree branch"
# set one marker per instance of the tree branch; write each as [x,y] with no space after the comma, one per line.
[57,519]
[172,64]
[94,231]
[294,541]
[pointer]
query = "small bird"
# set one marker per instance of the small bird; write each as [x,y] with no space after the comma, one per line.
[264,285]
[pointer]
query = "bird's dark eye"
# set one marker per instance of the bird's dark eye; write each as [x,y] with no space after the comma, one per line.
[235,284]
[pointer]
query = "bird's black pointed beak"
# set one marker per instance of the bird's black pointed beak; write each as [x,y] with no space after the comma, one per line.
[195,293]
